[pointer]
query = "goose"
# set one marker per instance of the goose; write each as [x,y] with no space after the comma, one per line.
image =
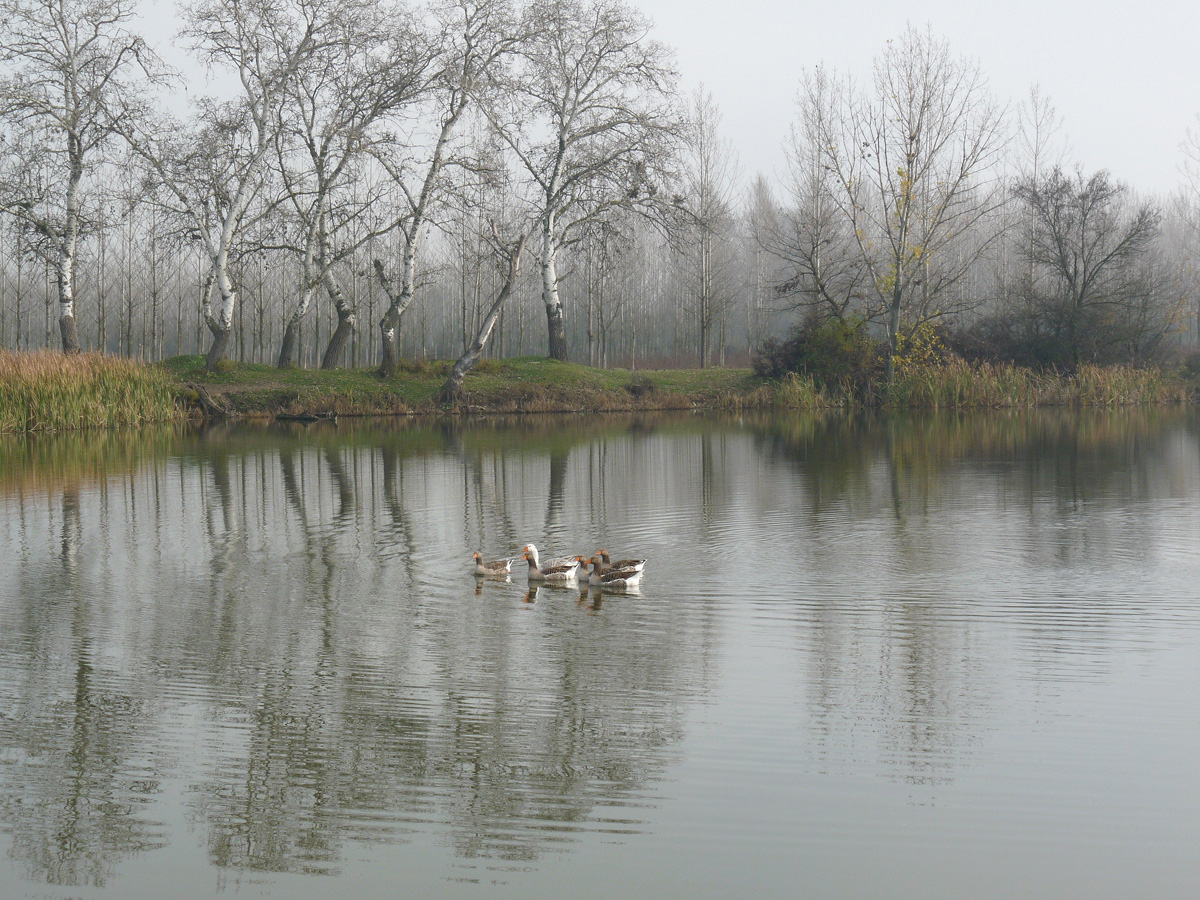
[636,564]
[614,579]
[564,574]
[549,563]
[497,568]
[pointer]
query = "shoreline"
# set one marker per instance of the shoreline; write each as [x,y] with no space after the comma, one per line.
[45,392]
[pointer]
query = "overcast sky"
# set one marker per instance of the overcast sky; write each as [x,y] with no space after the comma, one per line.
[1124,77]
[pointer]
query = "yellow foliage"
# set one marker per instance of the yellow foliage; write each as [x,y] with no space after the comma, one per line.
[918,348]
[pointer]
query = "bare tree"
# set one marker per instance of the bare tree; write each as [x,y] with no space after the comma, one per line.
[375,61]
[593,122]
[1191,175]
[914,167]
[69,59]
[824,274]
[1101,292]
[508,254]
[215,168]
[476,37]
[705,238]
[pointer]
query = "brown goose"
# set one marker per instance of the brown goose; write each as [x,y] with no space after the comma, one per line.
[635,564]
[612,579]
[497,568]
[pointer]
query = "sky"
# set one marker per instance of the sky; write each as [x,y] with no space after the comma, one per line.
[1125,78]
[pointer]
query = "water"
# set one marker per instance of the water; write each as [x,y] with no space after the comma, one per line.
[914,657]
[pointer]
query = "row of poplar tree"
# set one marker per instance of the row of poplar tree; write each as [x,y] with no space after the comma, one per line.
[363,180]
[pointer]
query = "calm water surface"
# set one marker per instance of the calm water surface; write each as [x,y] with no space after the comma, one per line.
[907,658]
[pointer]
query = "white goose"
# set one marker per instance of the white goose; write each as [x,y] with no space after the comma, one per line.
[549,563]
[565,574]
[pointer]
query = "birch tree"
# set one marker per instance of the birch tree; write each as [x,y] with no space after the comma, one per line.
[476,37]
[375,61]
[592,124]
[68,61]
[215,168]
[914,163]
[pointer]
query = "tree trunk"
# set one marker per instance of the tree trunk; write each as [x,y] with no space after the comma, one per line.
[452,390]
[70,334]
[220,345]
[555,323]
[67,327]
[893,327]
[389,324]
[68,330]
[340,338]
[287,350]
[220,325]
[347,320]
[389,327]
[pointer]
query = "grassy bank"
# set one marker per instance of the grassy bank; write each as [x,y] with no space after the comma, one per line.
[535,384]
[47,391]
[521,385]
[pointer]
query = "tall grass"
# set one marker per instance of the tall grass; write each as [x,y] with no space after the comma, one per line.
[47,391]
[957,385]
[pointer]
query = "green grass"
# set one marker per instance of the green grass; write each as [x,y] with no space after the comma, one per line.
[519,385]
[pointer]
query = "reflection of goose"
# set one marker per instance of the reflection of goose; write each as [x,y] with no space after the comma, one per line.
[497,568]
[636,564]
[614,579]
[548,563]
[565,574]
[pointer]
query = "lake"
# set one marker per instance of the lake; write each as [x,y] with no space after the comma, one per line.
[871,657]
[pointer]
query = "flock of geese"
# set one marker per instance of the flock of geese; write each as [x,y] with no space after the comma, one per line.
[600,571]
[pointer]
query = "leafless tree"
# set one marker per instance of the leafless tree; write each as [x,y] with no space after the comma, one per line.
[824,273]
[215,168]
[68,61]
[375,61]
[914,167]
[704,237]
[476,37]
[1102,293]
[1191,175]
[592,123]
[508,256]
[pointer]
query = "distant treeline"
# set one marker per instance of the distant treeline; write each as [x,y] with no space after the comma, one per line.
[377,172]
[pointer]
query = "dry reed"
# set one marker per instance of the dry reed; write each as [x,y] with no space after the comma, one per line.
[48,391]
[957,385]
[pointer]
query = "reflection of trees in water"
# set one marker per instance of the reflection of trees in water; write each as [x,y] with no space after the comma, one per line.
[1049,464]
[294,606]
[910,519]
[77,781]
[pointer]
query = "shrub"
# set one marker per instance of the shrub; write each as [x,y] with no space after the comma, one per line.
[837,354]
